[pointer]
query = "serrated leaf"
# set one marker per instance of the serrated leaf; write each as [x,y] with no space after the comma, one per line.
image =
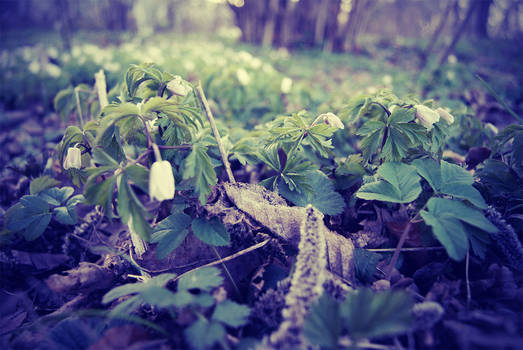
[450,233]
[170,233]
[37,226]
[42,183]
[100,193]
[204,279]
[63,216]
[446,217]
[134,288]
[198,166]
[399,183]
[401,115]
[210,232]
[203,334]
[430,171]
[55,195]
[370,315]
[16,218]
[157,296]
[231,313]
[322,195]
[450,179]
[323,326]
[457,182]
[34,205]
[139,175]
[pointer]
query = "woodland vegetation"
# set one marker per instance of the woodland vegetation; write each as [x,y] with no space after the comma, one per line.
[273,174]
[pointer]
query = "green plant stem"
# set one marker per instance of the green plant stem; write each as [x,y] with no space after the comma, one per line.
[214,129]
[147,133]
[383,107]
[79,108]
[175,147]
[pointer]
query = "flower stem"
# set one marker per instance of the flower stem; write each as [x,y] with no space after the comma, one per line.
[210,117]
[79,108]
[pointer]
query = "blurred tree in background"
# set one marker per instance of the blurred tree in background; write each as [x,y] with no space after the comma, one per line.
[333,25]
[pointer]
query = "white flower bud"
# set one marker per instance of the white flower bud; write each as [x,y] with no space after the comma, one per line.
[332,120]
[73,159]
[426,116]
[178,86]
[449,118]
[286,85]
[243,77]
[161,181]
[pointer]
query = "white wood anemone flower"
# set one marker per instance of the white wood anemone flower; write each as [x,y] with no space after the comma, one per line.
[332,120]
[426,116]
[178,86]
[286,85]
[73,159]
[449,118]
[161,181]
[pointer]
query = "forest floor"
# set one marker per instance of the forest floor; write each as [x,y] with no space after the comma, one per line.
[52,287]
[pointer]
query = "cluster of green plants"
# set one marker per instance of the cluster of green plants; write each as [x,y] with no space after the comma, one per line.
[157,141]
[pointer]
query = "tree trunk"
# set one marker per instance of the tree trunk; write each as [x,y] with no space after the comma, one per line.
[321,20]
[458,32]
[481,18]
[437,33]
[65,24]
[344,32]
[270,24]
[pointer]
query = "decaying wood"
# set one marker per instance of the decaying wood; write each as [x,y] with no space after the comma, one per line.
[87,277]
[271,211]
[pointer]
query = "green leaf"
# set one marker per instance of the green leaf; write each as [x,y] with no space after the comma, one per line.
[211,232]
[130,206]
[55,195]
[16,218]
[365,264]
[450,233]
[457,182]
[370,315]
[198,166]
[450,179]
[323,196]
[203,334]
[34,205]
[430,171]
[139,175]
[103,158]
[100,193]
[204,279]
[63,215]
[399,183]
[37,226]
[157,296]
[42,183]
[134,288]
[401,115]
[446,217]
[323,326]
[231,313]
[170,233]
[120,291]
